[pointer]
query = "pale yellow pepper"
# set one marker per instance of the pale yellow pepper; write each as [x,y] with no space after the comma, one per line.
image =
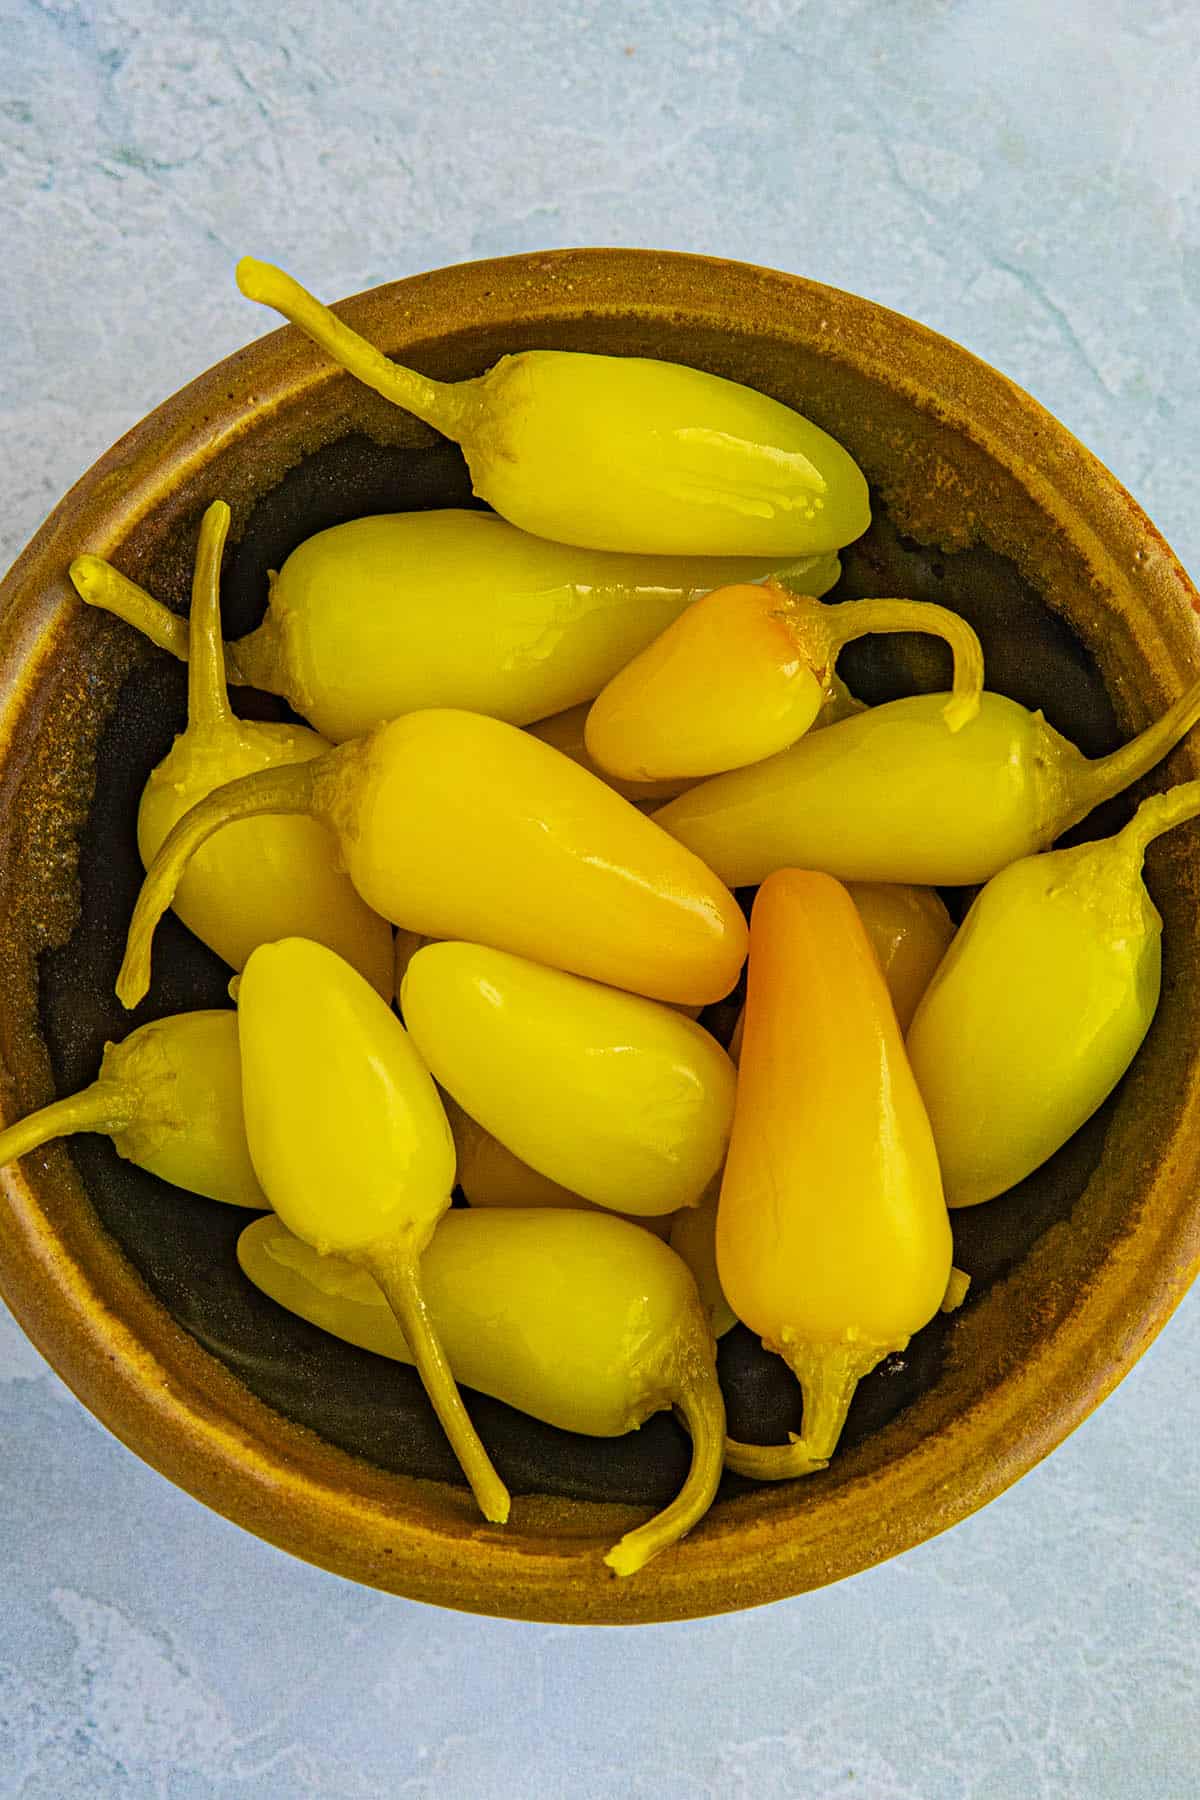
[891,795]
[398,612]
[457,826]
[617,1098]
[693,1236]
[616,452]
[1041,1004]
[264,878]
[579,1319]
[170,1098]
[352,1147]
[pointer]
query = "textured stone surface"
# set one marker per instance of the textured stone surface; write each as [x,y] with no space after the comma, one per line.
[1024,178]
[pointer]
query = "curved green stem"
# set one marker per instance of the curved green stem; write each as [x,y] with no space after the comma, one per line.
[828,1375]
[851,619]
[98,584]
[208,697]
[437,402]
[1094,782]
[397,1271]
[1159,813]
[106,1106]
[287,789]
[702,1409]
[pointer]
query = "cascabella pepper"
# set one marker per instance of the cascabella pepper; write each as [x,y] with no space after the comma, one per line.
[693,1236]
[615,452]
[1041,1004]
[833,1241]
[566,732]
[910,932]
[458,826]
[743,673]
[352,1148]
[621,1100]
[391,614]
[577,1318]
[488,1172]
[891,795]
[268,878]
[170,1098]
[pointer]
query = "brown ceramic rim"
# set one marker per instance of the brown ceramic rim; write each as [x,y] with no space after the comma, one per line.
[158,1391]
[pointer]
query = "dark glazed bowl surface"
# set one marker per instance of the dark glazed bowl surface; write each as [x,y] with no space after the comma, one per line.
[130,1288]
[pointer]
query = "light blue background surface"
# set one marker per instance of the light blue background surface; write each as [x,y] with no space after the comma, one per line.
[1022,176]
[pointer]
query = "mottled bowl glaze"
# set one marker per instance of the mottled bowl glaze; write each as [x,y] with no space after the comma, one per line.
[129,1288]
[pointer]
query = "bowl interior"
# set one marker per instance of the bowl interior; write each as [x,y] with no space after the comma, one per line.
[96,716]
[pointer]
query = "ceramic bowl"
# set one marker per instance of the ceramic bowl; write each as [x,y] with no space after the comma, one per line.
[130,1288]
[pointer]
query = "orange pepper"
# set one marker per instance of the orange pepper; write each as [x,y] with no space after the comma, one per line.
[833,1240]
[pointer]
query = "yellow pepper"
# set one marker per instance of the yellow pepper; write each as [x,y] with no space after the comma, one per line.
[616,452]
[833,1241]
[1041,1004]
[891,795]
[458,826]
[743,673]
[693,1236]
[565,731]
[910,932]
[170,1098]
[581,1320]
[266,878]
[619,1099]
[352,1147]
[398,612]
[488,1172]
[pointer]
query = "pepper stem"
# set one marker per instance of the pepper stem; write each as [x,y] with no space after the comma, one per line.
[851,619]
[98,584]
[208,697]
[702,1408]
[1096,781]
[437,402]
[1161,812]
[106,1106]
[288,789]
[828,1375]
[396,1269]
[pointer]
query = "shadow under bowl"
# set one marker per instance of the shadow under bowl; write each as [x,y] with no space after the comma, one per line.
[130,1288]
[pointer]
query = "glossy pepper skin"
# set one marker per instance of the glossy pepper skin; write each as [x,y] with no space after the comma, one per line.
[618,1098]
[391,614]
[574,1317]
[910,932]
[833,1241]
[352,1147]
[891,795]
[693,1236]
[616,452]
[170,1098]
[743,673]
[565,731]
[1041,1004]
[457,826]
[266,878]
